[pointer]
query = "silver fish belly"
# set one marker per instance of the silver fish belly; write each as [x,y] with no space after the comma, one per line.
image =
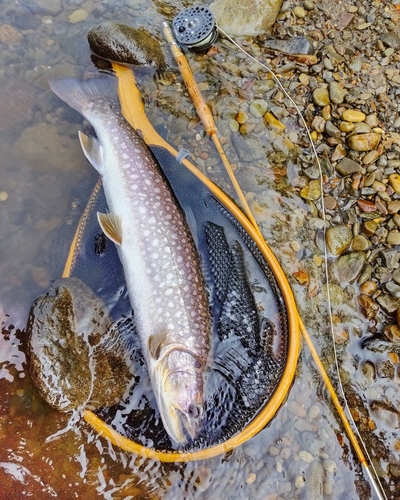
[161,265]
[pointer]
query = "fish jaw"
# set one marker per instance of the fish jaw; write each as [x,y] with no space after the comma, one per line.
[179,396]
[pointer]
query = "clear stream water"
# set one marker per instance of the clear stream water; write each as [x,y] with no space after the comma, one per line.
[303,453]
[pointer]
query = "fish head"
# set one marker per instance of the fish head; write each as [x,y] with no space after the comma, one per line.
[181,405]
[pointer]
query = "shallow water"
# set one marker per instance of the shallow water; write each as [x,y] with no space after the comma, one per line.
[44,179]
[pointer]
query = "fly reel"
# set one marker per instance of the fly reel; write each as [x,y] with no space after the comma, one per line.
[195,29]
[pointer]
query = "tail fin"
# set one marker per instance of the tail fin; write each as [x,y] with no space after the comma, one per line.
[78,93]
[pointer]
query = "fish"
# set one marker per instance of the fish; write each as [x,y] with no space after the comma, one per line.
[162,267]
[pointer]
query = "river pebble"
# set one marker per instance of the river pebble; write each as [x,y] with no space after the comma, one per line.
[347,166]
[363,142]
[338,239]
[348,267]
[353,115]
[336,92]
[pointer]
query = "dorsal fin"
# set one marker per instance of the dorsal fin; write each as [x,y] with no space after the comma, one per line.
[111,226]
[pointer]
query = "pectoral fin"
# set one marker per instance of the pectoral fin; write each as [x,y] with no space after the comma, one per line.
[156,343]
[93,151]
[111,226]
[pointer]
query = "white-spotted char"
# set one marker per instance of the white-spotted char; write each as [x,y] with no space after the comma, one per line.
[160,261]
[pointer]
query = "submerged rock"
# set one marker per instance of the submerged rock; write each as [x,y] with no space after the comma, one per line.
[44,149]
[348,267]
[74,356]
[124,44]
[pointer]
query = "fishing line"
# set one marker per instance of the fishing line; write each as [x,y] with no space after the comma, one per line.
[381,494]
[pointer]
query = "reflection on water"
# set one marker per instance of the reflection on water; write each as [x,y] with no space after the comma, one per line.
[44,181]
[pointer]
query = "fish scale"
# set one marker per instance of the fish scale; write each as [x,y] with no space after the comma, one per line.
[160,261]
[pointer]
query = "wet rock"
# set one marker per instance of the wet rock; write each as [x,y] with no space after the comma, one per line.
[258,108]
[121,43]
[246,17]
[369,372]
[247,148]
[388,414]
[295,45]
[312,191]
[336,93]
[391,257]
[392,333]
[44,149]
[321,96]
[369,308]
[338,239]
[363,142]
[348,267]
[271,120]
[365,275]
[347,167]
[385,369]
[74,357]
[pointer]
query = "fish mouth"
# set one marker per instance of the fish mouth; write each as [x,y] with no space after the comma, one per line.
[183,426]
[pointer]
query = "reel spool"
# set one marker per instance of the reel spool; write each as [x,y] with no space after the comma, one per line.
[195,29]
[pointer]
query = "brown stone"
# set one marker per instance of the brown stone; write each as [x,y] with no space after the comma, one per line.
[363,142]
[369,287]
[369,227]
[301,277]
[392,332]
[369,308]
[393,206]
[366,206]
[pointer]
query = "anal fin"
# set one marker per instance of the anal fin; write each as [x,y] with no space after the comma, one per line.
[111,226]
